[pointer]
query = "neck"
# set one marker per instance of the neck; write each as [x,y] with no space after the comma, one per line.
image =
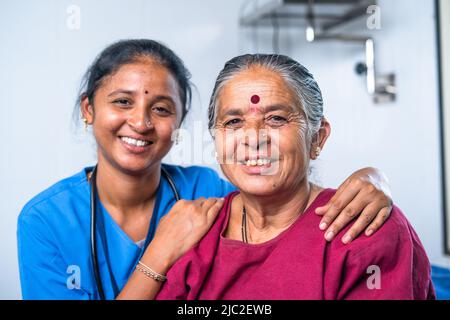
[124,191]
[268,215]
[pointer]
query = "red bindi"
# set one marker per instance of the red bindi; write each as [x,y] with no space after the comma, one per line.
[254,99]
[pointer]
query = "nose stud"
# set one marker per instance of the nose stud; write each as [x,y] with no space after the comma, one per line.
[149,124]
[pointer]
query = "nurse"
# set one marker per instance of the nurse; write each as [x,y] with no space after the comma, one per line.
[135,95]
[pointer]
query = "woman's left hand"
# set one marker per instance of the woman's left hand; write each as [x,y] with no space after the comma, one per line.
[365,195]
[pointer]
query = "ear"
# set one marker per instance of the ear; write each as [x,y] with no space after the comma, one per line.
[87,111]
[321,138]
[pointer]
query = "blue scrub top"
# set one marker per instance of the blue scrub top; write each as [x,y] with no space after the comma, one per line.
[53,235]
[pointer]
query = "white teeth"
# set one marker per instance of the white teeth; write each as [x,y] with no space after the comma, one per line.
[259,162]
[134,142]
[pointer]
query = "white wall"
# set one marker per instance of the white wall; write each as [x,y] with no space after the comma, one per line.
[42,61]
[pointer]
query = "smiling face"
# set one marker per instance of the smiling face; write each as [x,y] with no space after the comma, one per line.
[134,113]
[261,133]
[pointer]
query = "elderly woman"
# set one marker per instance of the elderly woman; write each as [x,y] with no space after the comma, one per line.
[267,112]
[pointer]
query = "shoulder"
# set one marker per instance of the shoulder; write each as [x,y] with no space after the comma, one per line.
[323,197]
[394,255]
[54,197]
[394,237]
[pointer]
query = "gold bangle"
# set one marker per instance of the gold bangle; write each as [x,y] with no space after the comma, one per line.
[150,273]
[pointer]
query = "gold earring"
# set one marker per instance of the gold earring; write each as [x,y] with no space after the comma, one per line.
[85,124]
[318,151]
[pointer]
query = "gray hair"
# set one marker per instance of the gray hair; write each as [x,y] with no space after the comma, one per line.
[296,76]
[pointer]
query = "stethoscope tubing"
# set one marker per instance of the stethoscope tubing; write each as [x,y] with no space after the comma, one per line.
[93,238]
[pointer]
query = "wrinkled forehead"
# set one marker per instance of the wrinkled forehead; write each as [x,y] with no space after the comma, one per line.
[255,91]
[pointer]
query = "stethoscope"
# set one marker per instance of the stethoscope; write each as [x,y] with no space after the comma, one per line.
[94,223]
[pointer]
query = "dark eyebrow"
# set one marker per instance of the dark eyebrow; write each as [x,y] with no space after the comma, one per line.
[162,97]
[232,112]
[130,92]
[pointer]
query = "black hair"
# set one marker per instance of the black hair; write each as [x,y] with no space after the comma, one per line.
[128,51]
